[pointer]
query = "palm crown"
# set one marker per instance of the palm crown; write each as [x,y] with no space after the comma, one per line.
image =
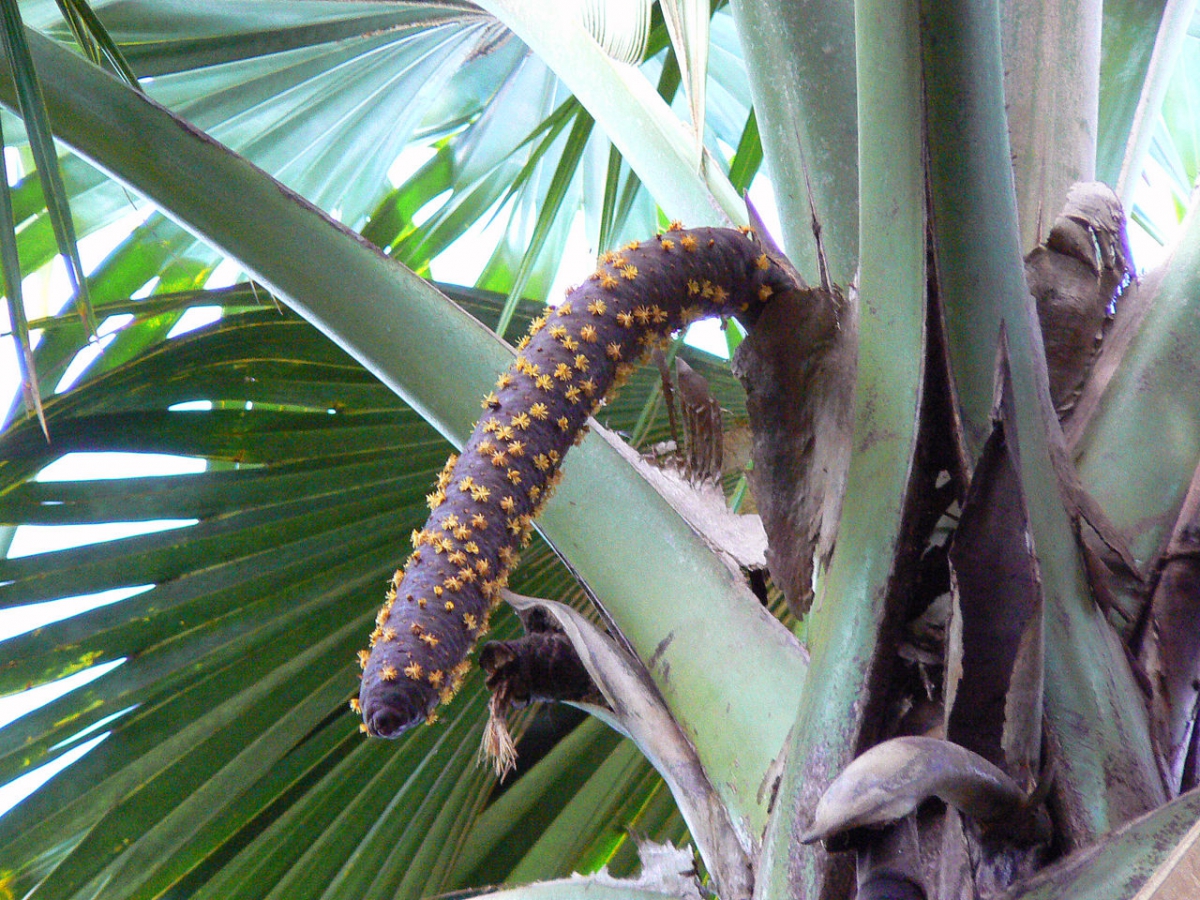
[932,146]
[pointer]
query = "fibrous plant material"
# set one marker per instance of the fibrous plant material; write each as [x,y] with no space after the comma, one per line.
[994,656]
[541,666]
[666,871]
[701,455]
[1171,649]
[702,423]
[798,369]
[483,506]
[1076,276]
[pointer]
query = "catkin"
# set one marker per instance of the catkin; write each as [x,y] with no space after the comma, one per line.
[483,505]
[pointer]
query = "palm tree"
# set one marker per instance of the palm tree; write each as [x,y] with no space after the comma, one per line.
[1003,605]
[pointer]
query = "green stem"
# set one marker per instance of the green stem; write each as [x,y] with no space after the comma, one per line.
[1095,713]
[844,625]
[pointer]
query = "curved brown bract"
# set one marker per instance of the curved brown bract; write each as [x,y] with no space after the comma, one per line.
[485,500]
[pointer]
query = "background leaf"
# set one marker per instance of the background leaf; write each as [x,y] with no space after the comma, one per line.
[306,521]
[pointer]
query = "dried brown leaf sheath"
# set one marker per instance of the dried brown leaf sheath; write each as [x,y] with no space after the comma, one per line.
[485,500]
[1171,648]
[798,369]
[702,424]
[1075,276]
[994,705]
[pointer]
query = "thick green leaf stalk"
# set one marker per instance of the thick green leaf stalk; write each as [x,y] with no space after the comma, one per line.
[485,501]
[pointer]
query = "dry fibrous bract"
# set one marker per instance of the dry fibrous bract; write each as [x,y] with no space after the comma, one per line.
[1171,649]
[483,505]
[994,656]
[702,424]
[698,452]
[541,666]
[892,779]
[798,368]
[1076,276]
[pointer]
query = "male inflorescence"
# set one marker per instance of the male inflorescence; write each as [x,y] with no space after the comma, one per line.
[483,506]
